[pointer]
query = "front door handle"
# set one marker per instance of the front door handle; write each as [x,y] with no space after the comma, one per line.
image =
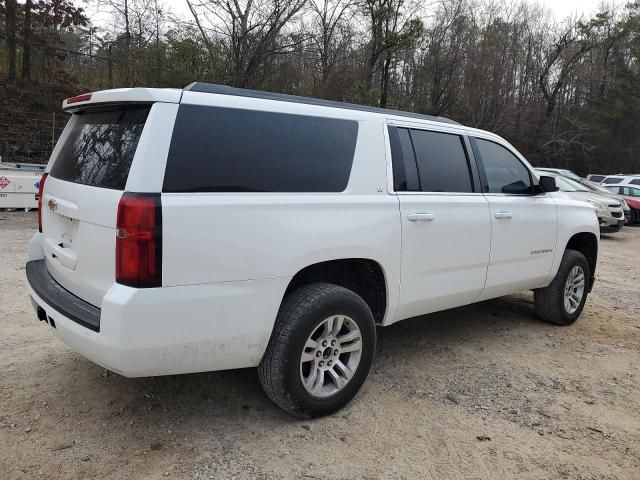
[503,215]
[420,217]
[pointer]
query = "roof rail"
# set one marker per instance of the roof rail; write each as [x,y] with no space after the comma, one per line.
[243,92]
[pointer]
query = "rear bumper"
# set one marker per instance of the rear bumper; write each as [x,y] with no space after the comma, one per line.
[59,299]
[163,331]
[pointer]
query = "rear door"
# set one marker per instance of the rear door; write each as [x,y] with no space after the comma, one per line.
[89,171]
[446,229]
[524,225]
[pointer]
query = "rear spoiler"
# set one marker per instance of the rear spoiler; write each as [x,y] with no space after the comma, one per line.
[121,95]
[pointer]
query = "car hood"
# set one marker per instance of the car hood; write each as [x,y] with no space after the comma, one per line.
[595,197]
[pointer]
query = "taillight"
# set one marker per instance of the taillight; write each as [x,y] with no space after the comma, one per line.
[139,240]
[40,192]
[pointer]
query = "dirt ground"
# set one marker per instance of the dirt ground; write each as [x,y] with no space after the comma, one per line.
[480,392]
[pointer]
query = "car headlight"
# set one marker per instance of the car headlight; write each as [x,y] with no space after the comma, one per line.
[600,207]
[624,205]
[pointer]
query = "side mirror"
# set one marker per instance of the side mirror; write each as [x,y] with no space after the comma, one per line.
[547,184]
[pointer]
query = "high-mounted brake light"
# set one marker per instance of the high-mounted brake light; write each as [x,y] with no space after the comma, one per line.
[85,97]
[139,240]
[40,193]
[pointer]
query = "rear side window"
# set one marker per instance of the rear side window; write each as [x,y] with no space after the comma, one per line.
[504,172]
[612,180]
[232,150]
[635,182]
[597,178]
[100,147]
[442,162]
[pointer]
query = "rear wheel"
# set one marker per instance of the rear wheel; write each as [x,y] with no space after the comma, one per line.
[320,352]
[562,301]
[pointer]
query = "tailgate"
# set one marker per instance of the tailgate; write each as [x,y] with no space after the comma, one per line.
[81,196]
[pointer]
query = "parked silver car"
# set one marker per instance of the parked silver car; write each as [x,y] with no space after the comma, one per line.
[591,185]
[609,210]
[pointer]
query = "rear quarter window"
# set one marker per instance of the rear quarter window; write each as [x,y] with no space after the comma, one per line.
[217,149]
[100,147]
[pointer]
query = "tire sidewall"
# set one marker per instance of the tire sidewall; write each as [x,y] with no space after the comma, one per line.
[348,304]
[575,260]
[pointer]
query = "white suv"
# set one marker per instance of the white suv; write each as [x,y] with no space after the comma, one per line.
[213,228]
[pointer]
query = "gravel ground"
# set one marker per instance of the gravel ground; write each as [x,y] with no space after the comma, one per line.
[480,392]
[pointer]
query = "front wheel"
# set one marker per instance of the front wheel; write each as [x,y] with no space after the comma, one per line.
[320,351]
[562,301]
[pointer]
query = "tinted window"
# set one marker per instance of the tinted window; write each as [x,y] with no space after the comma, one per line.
[405,171]
[611,180]
[635,182]
[597,178]
[100,148]
[229,150]
[442,162]
[505,173]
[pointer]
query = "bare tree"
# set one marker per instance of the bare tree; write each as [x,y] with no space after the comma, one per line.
[393,25]
[331,18]
[251,30]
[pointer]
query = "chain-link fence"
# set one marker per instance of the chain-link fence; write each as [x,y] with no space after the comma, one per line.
[29,138]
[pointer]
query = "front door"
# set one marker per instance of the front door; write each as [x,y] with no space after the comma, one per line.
[524,225]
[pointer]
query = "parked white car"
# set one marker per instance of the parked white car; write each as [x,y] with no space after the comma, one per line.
[213,228]
[621,180]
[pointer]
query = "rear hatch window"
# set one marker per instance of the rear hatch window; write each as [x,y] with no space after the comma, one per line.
[100,148]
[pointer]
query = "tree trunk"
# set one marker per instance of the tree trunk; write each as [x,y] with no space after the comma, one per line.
[110,66]
[384,82]
[127,37]
[12,6]
[26,49]
[158,52]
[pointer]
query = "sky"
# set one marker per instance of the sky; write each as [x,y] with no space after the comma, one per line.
[565,8]
[560,8]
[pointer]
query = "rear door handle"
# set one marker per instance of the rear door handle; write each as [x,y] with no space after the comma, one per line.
[503,215]
[420,217]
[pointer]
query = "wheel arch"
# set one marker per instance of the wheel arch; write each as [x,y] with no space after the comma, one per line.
[364,276]
[587,244]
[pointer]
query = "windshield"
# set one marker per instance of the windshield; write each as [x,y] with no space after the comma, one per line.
[563,183]
[572,185]
[597,188]
[565,173]
[571,175]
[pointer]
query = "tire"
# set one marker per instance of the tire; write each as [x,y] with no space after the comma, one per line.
[550,301]
[303,313]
